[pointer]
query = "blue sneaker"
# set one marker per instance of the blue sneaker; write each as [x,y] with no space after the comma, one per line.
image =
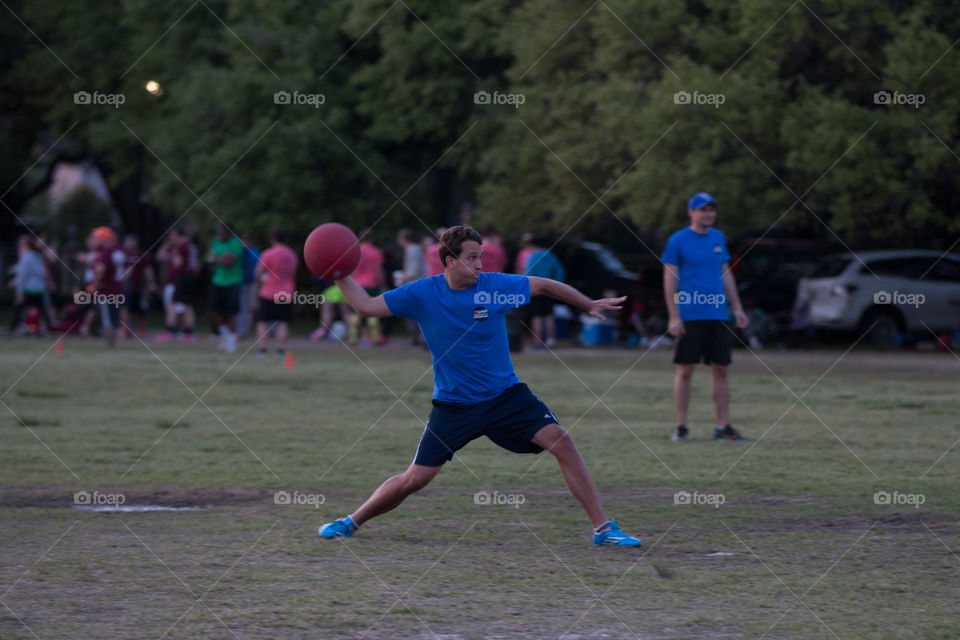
[340,527]
[727,433]
[613,535]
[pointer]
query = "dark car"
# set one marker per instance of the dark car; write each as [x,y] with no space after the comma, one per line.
[768,269]
[593,269]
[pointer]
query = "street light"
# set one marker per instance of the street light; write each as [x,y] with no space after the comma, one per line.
[153,88]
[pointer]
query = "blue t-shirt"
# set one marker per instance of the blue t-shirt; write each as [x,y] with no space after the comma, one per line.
[466,332]
[699,258]
[250,259]
[544,264]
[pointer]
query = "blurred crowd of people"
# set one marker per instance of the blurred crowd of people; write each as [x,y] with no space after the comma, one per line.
[245,293]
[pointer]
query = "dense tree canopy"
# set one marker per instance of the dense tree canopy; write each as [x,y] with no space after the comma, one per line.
[839,118]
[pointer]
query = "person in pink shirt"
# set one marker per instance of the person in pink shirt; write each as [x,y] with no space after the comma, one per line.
[369,275]
[431,255]
[277,271]
[494,255]
[524,255]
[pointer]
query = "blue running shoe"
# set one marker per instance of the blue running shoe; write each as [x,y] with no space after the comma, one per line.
[613,535]
[727,433]
[340,527]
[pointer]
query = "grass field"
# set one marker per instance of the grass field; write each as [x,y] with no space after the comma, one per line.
[798,549]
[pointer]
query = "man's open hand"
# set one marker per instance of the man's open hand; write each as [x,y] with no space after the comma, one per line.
[597,307]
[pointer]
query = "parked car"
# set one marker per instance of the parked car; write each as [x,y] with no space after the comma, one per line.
[884,293]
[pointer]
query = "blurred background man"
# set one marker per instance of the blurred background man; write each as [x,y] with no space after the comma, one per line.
[697,287]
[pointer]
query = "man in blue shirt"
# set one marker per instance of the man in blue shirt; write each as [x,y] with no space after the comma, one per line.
[697,285]
[543,263]
[476,391]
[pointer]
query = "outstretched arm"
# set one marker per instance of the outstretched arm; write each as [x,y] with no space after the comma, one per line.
[361,301]
[566,293]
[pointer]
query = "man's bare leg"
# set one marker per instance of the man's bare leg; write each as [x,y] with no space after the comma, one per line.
[681,391]
[393,491]
[537,329]
[557,441]
[720,389]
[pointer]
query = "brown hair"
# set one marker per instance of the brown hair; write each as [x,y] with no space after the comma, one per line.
[451,241]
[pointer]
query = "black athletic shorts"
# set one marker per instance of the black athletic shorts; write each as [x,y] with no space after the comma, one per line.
[185,289]
[705,341]
[137,301]
[225,300]
[270,311]
[510,420]
[541,306]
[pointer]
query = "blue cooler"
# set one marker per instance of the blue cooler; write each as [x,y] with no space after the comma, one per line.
[595,332]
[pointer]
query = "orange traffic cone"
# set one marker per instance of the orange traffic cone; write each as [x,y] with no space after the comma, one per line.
[288,363]
[59,347]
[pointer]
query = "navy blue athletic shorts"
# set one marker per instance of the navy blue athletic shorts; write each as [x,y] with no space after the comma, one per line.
[510,420]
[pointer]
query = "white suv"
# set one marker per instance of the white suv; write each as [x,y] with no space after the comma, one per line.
[884,292]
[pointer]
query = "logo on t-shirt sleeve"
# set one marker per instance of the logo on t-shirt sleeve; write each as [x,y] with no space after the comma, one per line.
[480,314]
[717,248]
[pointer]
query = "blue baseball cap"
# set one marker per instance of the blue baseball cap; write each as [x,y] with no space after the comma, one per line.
[700,199]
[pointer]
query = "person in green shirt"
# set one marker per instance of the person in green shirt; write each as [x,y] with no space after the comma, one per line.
[226,256]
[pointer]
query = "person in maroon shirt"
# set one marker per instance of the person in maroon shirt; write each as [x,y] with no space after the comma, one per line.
[182,272]
[107,286]
[140,283]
